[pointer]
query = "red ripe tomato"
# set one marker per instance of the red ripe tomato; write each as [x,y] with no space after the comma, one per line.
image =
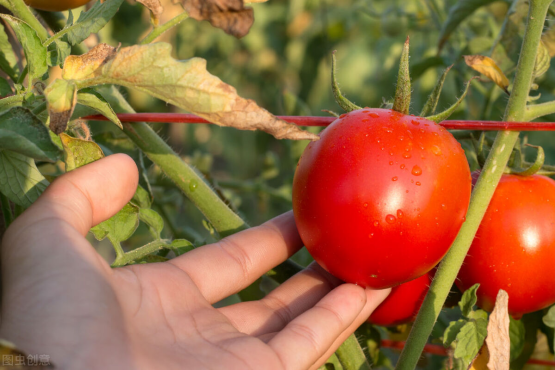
[515,246]
[380,197]
[402,304]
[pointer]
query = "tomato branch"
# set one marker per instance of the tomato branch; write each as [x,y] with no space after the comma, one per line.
[158,31]
[326,121]
[483,191]
[22,11]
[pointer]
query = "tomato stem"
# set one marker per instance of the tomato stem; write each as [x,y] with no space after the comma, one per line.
[342,101]
[483,191]
[351,356]
[158,31]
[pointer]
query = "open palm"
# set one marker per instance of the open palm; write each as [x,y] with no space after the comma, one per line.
[60,298]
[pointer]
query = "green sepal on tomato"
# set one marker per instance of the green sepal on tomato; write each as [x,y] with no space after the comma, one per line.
[514,247]
[379,199]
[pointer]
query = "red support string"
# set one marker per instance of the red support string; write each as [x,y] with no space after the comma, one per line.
[439,350]
[325,121]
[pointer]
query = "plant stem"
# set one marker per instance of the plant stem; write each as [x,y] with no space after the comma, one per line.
[224,220]
[483,191]
[539,110]
[22,11]
[6,210]
[136,254]
[351,356]
[158,31]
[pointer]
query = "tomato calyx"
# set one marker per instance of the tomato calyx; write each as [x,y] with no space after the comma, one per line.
[401,103]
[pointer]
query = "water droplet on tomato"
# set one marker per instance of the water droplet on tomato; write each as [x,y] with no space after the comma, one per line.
[365,205]
[407,155]
[364,120]
[435,133]
[401,233]
[370,235]
[464,218]
[418,183]
[444,207]
[436,150]
[390,219]
[401,138]
[422,130]
[415,122]
[390,153]
[416,171]
[394,178]
[376,223]
[400,213]
[391,163]
[373,114]
[343,115]
[402,166]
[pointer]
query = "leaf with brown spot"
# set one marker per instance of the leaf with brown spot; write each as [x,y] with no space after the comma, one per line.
[188,85]
[61,96]
[498,339]
[228,15]
[81,67]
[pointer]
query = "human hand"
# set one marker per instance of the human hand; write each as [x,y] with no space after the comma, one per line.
[60,298]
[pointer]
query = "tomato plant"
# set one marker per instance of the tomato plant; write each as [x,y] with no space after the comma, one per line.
[57,5]
[380,197]
[403,303]
[514,246]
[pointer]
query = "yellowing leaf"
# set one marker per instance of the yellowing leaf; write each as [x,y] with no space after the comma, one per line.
[81,67]
[488,67]
[498,339]
[186,84]
[78,152]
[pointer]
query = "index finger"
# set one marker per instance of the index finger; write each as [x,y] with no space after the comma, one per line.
[232,264]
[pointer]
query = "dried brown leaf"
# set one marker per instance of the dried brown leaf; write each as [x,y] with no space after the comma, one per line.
[154,6]
[228,15]
[498,340]
[188,85]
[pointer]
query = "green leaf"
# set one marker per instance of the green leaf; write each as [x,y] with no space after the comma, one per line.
[458,13]
[93,99]
[468,300]
[431,103]
[478,314]
[141,197]
[180,246]
[5,88]
[452,331]
[35,52]
[61,96]
[20,180]
[22,132]
[120,227]
[92,21]
[470,339]
[517,333]
[78,152]
[58,51]
[153,220]
[403,89]
[8,60]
